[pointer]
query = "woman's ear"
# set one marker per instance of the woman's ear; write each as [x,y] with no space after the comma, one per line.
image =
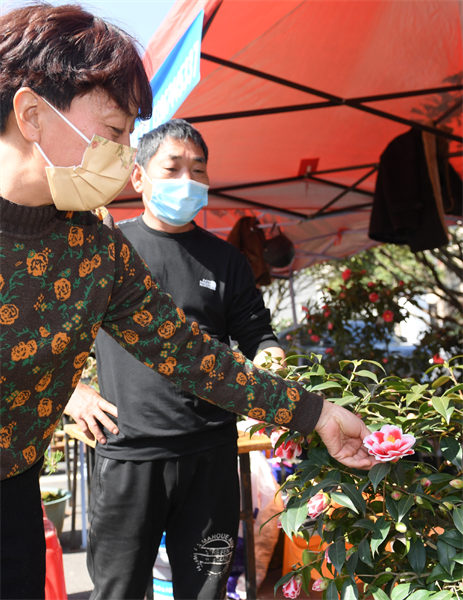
[137,178]
[28,112]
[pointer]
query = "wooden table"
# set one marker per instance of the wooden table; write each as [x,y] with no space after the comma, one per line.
[245,446]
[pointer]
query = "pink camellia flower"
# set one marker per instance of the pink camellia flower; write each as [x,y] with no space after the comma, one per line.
[329,351]
[346,274]
[315,338]
[327,313]
[289,449]
[373,297]
[371,284]
[342,295]
[437,360]
[319,585]
[388,316]
[305,309]
[318,504]
[329,325]
[389,443]
[292,588]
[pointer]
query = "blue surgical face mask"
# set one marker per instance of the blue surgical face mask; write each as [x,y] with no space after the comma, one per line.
[176,201]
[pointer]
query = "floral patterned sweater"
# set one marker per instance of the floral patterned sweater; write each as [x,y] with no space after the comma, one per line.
[65,275]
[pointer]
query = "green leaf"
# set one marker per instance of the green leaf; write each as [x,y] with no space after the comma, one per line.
[349,591]
[459,558]
[452,390]
[440,381]
[355,495]
[293,517]
[392,509]
[420,595]
[379,534]
[306,578]
[417,555]
[404,506]
[326,385]
[453,538]
[365,524]
[443,595]
[331,592]
[377,473]
[351,564]
[337,554]
[343,500]
[364,552]
[445,554]
[452,451]
[441,404]
[368,374]
[350,399]
[458,518]
[401,591]
[380,595]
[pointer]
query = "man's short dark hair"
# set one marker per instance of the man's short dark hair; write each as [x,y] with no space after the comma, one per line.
[64,51]
[177,129]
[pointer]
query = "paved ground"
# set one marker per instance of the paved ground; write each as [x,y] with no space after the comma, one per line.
[78,583]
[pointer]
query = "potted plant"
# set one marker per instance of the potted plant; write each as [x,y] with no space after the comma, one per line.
[396,531]
[54,499]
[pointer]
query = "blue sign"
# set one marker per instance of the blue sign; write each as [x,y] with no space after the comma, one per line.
[175,79]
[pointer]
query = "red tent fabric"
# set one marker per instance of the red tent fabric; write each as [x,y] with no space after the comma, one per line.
[298,99]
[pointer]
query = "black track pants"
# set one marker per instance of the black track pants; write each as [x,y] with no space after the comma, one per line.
[194,498]
[22,537]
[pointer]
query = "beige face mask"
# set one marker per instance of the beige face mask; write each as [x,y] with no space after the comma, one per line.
[103,173]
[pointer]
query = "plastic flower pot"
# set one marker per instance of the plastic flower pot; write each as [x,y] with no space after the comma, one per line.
[54,501]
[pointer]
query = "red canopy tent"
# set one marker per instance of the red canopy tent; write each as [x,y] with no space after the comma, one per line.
[297,100]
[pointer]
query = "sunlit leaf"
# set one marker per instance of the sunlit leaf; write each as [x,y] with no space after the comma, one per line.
[344,501]
[401,591]
[349,591]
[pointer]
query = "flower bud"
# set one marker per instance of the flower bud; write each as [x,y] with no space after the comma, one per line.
[456,483]
[330,526]
[419,500]
[425,482]
[396,495]
[449,505]
[319,585]
[401,527]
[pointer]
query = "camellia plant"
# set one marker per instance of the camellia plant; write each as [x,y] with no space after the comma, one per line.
[396,531]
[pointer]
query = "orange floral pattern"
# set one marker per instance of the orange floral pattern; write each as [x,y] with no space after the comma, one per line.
[76,236]
[37,263]
[45,407]
[62,289]
[208,363]
[166,330]
[257,413]
[283,416]
[293,394]
[8,314]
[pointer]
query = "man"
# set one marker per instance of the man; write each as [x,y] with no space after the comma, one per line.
[175,458]
[71,87]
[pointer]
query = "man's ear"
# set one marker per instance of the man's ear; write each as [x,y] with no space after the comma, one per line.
[28,111]
[137,178]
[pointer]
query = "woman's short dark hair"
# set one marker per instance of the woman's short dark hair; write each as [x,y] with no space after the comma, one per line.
[64,51]
[178,129]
